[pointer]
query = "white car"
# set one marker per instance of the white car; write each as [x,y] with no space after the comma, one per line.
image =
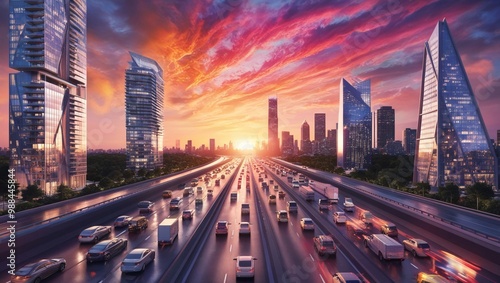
[244,228]
[122,221]
[94,234]
[137,260]
[417,247]
[306,224]
[339,217]
[245,267]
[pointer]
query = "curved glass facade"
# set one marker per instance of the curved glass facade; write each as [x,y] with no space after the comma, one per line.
[47,98]
[144,89]
[452,143]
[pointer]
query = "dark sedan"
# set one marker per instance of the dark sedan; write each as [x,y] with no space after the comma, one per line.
[107,249]
[36,271]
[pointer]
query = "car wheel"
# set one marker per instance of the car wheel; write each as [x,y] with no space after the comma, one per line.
[96,239]
[37,280]
[143,267]
[366,244]
[380,256]
[414,253]
[62,267]
[107,257]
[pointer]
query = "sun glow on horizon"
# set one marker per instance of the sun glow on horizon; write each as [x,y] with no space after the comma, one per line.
[244,145]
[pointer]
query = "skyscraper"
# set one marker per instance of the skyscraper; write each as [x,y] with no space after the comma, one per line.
[319,126]
[354,135]
[212,145]
[452,141]
[47,97]
[272,130]
[305,138]
[286,143]
[385,125]
[409,140]
[144,89]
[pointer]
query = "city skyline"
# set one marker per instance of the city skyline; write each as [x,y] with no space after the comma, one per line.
[219,75]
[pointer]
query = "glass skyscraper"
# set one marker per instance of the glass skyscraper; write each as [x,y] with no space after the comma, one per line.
[354,135]
[47,97]
[385,125]
[144,89]
[452,142]
[272,127]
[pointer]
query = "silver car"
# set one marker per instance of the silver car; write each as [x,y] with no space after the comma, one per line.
[417,247]
[245,266]
[137,260]
[306,224]
[94,234]
[36,271]
[122,221]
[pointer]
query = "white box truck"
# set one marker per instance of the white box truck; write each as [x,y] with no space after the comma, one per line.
[385,247]
[167,231]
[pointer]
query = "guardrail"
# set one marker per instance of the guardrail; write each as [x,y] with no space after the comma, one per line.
[432,216]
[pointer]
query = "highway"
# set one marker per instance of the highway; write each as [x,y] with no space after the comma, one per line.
[284,252]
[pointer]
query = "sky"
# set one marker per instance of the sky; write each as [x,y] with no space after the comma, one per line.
[223,59]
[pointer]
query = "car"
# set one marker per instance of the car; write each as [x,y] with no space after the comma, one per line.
[346,277]
[137,260]
[282,216]
[210,193]
[291,206]
[306,224]
[281,194]
[199,190]
[423,277]
[221,228]
[94,234]
[138,223]
[339,217]
[272,199]
[188,191]
[166,194]
[122,221]
[323,204]
[188,214]
[105,250]
[198,201]
[39,270]
[366,217]
[175,203]
[244,228]
[245,267]
[325,245]
[245,208]
[276,187]
[417,247]
[389,229]
[145,206]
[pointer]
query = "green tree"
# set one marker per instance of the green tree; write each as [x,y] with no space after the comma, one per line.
[480,190]
[128,174]
[31,192]
[65,192]
[449,193]
[116,176]
[423,188]
[105,183]
[90,189]
[142,172]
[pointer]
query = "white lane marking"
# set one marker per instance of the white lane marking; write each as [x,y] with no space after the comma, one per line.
[230,247]
[232,232]
[121,233]
[225,277]
[323,280]
[148,237]
[291,223]
[414,265]
[297,235]
[312,258]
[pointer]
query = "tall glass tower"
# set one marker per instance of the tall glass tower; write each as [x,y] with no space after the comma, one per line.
[385,125]
[47,97]
[354,135]
[272,127]
[144,89]
[452,142]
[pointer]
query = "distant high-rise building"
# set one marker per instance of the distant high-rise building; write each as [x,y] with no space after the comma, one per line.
[189,146]
[212,145]
[394,148]
[385,125]
[144,88]
[409,140]
[305,138]
[178,144]
[331,142]
[286,143]
[48,96]
[319,126]
[452,142]
[272,131]
[498,137]
[354,134]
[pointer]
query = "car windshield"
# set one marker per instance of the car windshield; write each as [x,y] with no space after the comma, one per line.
[174,201]
[323,201]
[121,218]
[99,247]
[88,232]
[392,228]
[23,271]
[134,256]
[272,196]
[221,225]
[143,204]
[245,205]
[328,243]
[308,222]
[244,225]
[245,263]
[292,204]
[423,246]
